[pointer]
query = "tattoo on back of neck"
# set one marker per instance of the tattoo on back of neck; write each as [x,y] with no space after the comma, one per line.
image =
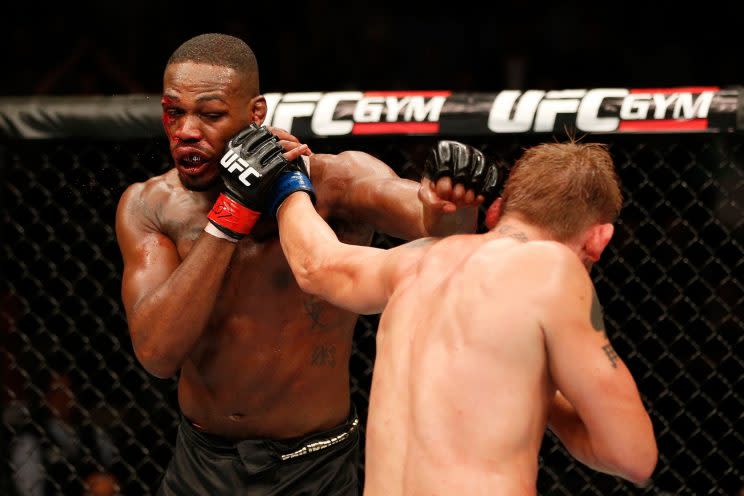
[512,232]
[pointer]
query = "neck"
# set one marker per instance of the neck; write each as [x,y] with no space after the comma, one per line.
[514,227]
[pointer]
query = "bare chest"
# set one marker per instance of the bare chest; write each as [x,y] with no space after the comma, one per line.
[259,288]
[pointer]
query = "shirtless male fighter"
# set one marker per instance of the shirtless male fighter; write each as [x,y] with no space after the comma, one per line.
[486,339]
[263,380]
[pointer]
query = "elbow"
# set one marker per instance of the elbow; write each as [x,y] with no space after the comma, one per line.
[636,465]
[308,275]
[643,456]
[643,465]
[155,361]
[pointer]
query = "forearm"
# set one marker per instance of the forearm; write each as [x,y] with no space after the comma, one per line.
[306,240]
[625,451]
[565,423]
[166,323]
[400,211]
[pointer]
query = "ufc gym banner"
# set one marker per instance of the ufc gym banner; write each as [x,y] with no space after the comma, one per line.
[358,113]
[601,110]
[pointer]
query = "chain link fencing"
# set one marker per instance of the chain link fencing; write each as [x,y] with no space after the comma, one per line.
[671,283]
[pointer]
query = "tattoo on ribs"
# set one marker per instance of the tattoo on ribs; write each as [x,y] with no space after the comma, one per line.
[324,355]
[611,355]
[596,315]
[313,309]
[512,233]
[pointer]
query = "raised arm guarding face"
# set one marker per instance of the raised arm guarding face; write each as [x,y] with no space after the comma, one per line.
[357,186]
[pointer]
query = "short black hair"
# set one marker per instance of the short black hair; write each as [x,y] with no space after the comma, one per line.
[217,49]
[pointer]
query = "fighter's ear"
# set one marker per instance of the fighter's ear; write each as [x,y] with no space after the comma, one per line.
[493,214]
[257,109]
[597,239]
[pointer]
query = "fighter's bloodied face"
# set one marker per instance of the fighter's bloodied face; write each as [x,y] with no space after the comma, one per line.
[203,106]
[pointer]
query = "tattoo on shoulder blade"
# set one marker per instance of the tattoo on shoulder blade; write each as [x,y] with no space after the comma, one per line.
[512,233]
[596,315]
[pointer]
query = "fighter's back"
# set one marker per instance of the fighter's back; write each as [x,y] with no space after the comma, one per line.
[460,388]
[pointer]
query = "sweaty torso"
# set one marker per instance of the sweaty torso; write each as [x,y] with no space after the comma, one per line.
[460,386]
[273,361]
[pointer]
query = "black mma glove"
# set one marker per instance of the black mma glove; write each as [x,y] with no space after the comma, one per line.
[465,164]
[249,168]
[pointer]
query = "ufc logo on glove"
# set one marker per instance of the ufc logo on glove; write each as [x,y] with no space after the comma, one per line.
[232,162]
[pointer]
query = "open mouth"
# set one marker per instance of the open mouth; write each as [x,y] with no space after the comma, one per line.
[192,163]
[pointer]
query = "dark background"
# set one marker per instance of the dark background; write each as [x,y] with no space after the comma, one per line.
[671,282]
[118,48]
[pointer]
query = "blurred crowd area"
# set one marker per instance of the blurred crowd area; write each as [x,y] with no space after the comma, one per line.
[322,45]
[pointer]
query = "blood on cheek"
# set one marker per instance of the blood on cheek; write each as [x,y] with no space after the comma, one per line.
[170,124]
[166,117]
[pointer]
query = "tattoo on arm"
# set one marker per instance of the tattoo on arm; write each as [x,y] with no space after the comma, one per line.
[596,315]
[611,355]
[512,233]
[324,355]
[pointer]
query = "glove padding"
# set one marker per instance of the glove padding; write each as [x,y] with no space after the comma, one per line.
[294,178]
[252,161]
[251,164]
[465,164]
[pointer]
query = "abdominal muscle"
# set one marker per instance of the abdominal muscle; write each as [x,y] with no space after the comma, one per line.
[270,366]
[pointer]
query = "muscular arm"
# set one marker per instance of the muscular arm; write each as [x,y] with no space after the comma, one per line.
[359,187]
[167,300]
[357,278]
[598,413]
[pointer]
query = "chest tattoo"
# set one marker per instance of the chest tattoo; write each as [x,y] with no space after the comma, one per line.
[193,233]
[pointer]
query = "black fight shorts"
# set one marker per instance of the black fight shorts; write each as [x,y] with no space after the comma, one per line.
[325,463]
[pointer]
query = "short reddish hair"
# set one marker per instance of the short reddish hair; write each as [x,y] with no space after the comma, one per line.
[564,187]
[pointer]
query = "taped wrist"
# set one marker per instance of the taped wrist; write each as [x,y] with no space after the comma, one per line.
[232,218]
[288,183]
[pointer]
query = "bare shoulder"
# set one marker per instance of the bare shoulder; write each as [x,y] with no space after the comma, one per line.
[552,252]
[333,174]
[141,201]
[548,263]
[564,276]
[345,167]
[350,163]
